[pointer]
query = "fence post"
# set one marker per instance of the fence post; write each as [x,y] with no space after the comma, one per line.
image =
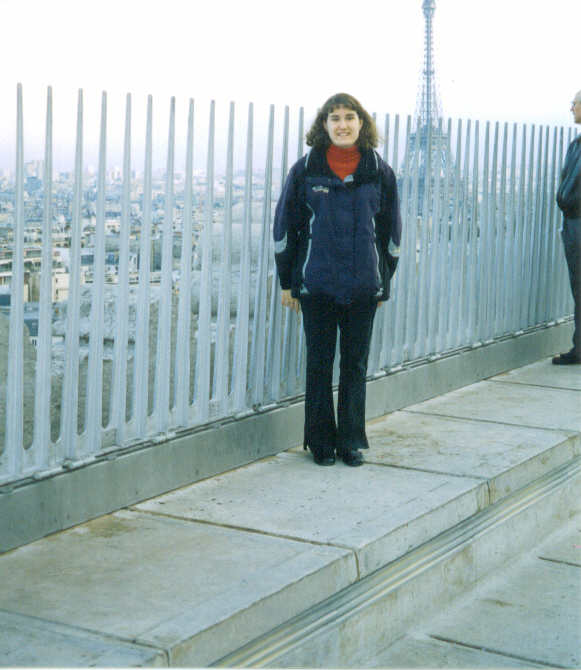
[42,436]
[70,398]
[94,420]
[13,443]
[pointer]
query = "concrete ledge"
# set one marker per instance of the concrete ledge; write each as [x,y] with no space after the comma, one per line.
[282,563]
[35,508]
[158,585]
[140,581]
[378,513]
[376,611]
[526,615]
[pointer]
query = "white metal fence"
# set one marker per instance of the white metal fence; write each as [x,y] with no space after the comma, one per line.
[205,337]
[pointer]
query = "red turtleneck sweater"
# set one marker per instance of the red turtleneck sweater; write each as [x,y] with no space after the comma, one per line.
[343,161]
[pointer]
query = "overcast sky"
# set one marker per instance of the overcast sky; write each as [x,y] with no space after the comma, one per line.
[516,60]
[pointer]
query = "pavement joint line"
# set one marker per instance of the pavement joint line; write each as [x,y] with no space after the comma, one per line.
[409,410]
[571,431]
[370,461]
[244,529]
[73,628]
[506,382]
[559,561]
[362,594]
[427,470]
[498,652]
[538,386]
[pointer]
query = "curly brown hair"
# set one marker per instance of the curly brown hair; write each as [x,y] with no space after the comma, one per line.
[318,137]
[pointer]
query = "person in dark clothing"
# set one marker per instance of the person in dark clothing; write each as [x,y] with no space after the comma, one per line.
[337,233]
[569,201]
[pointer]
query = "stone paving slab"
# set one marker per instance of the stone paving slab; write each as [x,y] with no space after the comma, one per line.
[164,581]
[26,640]
[544,373]
[564,547]
[509,457]
[517,404]
[527,615]
[530,612]
[378,512]
[420,651]
[201,571]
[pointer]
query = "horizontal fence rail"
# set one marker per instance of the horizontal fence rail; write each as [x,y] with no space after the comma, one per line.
[172,316]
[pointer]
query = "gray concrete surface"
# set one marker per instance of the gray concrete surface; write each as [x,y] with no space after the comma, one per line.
[420,651]
[160,581]
[539,374]
[378,513]
[527,615]
[454,487]
[505,456]
[510,403]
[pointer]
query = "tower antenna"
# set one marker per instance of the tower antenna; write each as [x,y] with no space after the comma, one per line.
[428,108]
[429,139]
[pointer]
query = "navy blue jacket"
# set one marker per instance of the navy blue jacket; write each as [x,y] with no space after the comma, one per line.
[338,238]
[569,192]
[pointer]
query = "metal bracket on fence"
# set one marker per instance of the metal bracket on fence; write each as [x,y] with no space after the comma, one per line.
[395,368]
[73,464]
[163,437]
[244,414]
[261,409]
[45,474]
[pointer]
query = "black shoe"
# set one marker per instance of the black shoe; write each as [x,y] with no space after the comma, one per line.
[353,458]
[323,459]
[570,358]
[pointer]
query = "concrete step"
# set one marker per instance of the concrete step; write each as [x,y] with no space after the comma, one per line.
[526,615]
[351,628]
[282,563]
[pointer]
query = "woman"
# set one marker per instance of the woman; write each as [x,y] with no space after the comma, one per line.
[337,232]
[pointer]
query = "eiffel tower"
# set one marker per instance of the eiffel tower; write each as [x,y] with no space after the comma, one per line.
[429,138]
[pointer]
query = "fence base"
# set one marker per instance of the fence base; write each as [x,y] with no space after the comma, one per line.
[33,508]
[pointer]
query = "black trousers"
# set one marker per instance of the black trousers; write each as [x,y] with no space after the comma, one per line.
[321,318]
[571,235]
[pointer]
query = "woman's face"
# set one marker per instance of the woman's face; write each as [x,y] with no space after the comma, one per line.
[343,126]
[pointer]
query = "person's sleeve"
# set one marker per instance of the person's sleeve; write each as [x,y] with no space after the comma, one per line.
[287,218]
[572,194]
[569,192]
[390,218]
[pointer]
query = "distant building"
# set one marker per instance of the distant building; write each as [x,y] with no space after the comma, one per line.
[31,319]
[429,144]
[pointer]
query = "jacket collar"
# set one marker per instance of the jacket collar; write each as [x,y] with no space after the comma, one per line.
[367,170]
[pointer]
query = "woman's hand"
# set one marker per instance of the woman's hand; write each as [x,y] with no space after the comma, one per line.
[288,301]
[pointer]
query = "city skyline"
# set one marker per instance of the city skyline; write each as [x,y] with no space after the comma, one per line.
[492,60]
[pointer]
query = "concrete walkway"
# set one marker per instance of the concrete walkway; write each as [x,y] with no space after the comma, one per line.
[279,551]
[526,615]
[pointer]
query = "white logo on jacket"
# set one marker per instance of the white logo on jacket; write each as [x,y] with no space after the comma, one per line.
[320,189]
